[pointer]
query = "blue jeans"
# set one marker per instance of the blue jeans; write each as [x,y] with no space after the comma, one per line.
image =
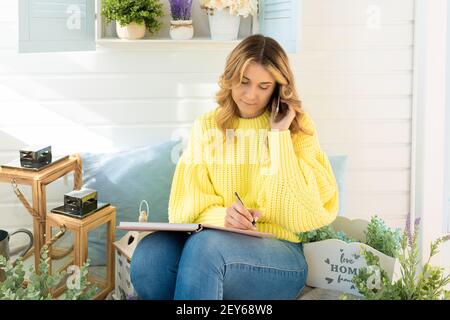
[216,265]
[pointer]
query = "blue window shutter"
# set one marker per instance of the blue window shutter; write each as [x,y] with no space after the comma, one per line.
[280,20]
[56,25]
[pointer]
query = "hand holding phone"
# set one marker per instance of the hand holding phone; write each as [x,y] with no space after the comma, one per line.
[276,103]
[281,113]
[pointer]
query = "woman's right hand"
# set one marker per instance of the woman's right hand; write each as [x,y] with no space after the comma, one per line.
[237,216]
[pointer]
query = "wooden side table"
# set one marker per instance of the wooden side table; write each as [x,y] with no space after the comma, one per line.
[38,180]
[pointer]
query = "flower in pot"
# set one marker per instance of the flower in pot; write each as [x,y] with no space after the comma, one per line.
[225,15]
[133,17]
[181,27]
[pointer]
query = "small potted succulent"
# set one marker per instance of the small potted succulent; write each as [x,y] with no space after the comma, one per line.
[133,17]
[181,27]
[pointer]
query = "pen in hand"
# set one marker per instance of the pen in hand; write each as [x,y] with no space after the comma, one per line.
[242,202]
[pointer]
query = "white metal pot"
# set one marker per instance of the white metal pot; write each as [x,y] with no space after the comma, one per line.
[223,25]
[181,29]
[131,31]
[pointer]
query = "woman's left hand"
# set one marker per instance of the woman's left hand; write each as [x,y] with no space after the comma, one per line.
[283,121]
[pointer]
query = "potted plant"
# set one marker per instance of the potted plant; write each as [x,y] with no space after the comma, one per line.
[428,283]
[133,17]
[333,253]
[225,15]
[181,27]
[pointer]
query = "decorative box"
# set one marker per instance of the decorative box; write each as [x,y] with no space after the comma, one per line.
[332,263]
[124,251]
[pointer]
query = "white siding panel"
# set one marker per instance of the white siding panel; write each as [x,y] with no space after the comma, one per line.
[356,37]
[330,131]
[110,111]
[353,61]
[149,62]
[183,85]
[383,156]
[395,222]
[353,73]
[365,205]
[106,111]
[9,11]
[378,181]
[341,12]
[111,62]
[8,34]
[362,132]
[354,84]
[154,110]
[14,215]
[374,107]
[132,86]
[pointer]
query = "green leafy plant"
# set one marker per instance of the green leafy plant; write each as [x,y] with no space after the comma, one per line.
[382,238]
[426,284]
[378,236]
[323,233]
[39,286]
[139,11]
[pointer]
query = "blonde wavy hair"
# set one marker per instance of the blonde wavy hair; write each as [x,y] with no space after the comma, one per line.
[268,53]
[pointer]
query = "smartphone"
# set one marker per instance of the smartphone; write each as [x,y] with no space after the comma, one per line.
[275,101]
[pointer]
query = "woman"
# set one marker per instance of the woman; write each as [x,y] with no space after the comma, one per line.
[267,154]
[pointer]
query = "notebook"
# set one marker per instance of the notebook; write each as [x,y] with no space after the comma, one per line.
[185,227]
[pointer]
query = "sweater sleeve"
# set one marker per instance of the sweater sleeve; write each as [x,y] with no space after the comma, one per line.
[299,191]
[192,198]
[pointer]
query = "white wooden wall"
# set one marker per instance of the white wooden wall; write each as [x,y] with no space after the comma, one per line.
[354,75]
[356,79]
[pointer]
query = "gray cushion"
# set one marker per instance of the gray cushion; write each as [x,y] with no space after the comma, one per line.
[124,179]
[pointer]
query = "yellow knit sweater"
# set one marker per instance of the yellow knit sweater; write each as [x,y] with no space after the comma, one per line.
[289,179]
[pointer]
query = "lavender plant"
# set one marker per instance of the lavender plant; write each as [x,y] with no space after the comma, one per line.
[181,9]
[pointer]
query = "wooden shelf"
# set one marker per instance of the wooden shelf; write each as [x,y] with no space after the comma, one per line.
[204,40]
[164,43]
[106,36]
